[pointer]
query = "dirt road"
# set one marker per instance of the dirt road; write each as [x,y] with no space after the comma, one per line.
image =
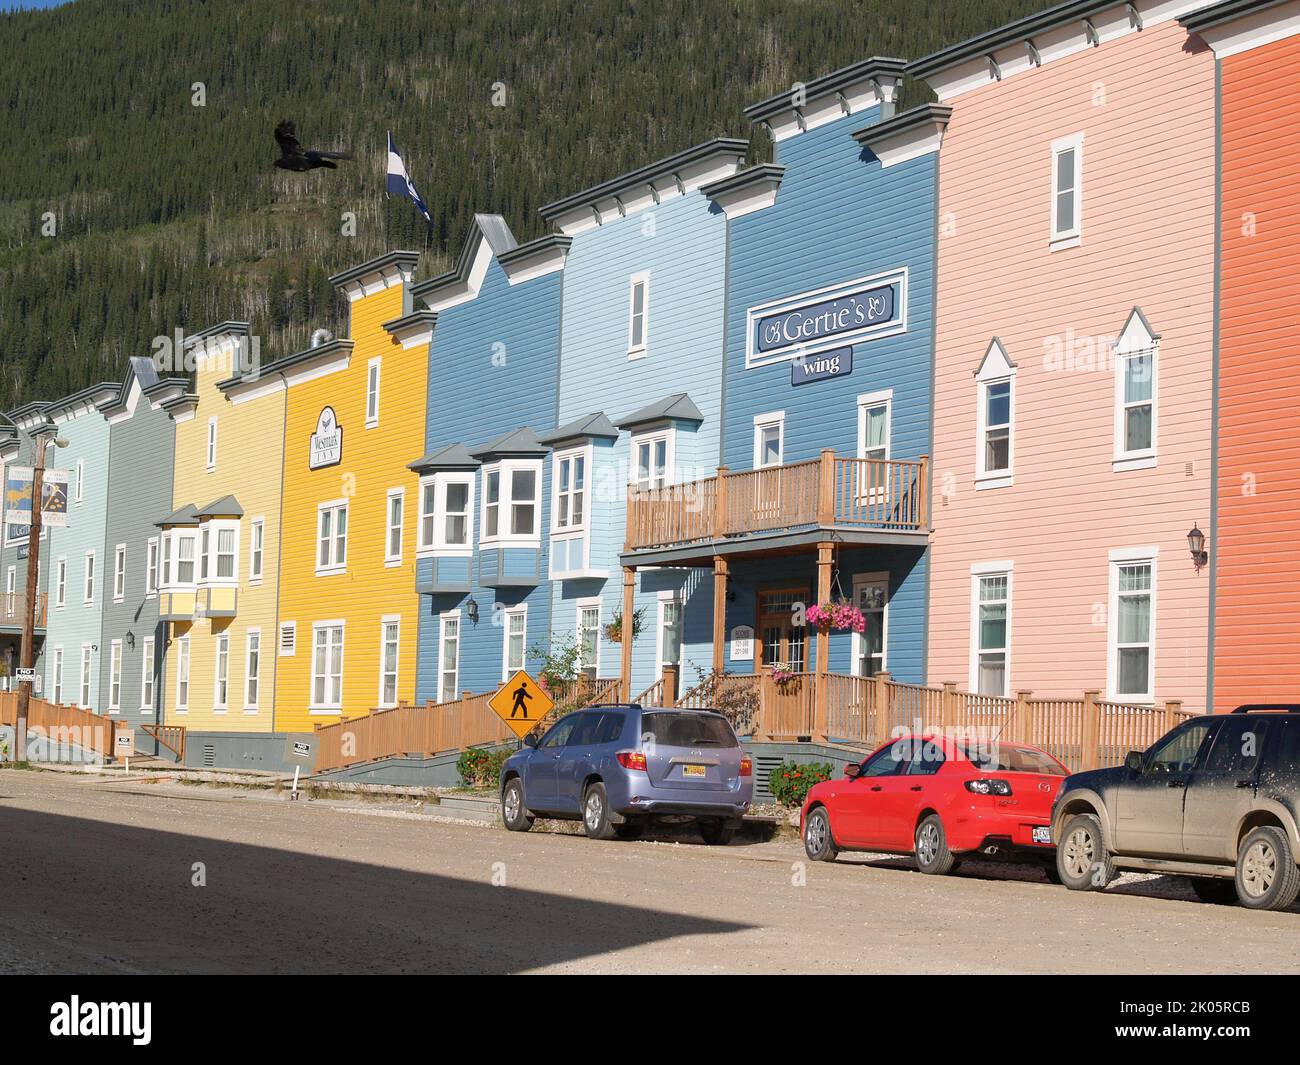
[127,876]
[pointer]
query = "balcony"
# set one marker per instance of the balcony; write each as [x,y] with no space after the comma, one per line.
[13,610]
[780,508]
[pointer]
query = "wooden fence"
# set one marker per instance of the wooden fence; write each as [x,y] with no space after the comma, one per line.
[62,725]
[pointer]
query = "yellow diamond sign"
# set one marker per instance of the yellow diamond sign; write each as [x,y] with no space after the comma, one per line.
[521,703]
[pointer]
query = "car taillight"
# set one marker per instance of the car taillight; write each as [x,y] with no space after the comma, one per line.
[631,760]
[989,786]
[746,766]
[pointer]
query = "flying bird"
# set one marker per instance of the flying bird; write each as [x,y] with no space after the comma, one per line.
[293,156]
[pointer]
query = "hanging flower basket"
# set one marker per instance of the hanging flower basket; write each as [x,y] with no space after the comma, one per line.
[614,629]
[837,615]
[782,674]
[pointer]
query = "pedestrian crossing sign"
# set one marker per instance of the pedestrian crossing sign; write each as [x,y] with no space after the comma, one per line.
[521,702]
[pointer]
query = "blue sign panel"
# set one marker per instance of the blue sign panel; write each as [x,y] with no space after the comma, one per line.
[813,321]
[834,363]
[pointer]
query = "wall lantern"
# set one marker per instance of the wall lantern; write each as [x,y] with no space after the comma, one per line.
[471,608]
[1196,544]
[130,640]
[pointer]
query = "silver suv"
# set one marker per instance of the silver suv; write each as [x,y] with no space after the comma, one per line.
[1217,799]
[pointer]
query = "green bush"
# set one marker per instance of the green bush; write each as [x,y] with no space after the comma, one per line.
[790,781]
[481,769]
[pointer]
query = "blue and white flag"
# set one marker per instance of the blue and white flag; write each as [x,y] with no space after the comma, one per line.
[399,181]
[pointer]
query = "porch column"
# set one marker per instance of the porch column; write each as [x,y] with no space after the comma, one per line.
[625,646]
[719,612]
[825,555]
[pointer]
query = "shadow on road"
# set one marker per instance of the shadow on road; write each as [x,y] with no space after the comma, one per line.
[127,893]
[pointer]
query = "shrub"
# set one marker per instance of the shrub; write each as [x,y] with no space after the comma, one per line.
[790,781]
[479,768]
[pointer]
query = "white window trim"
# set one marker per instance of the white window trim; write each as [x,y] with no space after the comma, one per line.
[61,582]
[867,400]
[1148,343]
[183,659]
[384,622]
[1060,239]
[439,545]
[859,579]
[391,559]
[996,369]
[335,565]
[374,364]
[89,574]
[506,469]
[281,629]
[1127,556]
[650,436]
[85,676]
[585,604]
[638,351]
[219,705]
[442,641]
[115,662]
[989,569]
[252,706]
[119,573]
[587,453]
[775,418]
[214,528]
[327,708]
[663,599]
[514,611]
[57,663]
[210,454]
[172,570]
[80,494]
[255,576]
[153,562]
[147,671]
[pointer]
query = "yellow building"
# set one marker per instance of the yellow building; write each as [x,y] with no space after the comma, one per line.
[355,411]
[218,552]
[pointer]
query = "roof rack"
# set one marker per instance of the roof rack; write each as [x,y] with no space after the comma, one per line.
[1268,708]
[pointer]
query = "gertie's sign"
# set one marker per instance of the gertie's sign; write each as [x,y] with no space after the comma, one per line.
[326,441]
[813,321]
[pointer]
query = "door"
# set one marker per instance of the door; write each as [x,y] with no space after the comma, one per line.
[920,788]
[866,804]
[541,791]
[1221,792]
[784,643]
[1149,804]
[576,758]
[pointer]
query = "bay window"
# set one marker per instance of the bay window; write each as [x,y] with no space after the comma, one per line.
[512,501]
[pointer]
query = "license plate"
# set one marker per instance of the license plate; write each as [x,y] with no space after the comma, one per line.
[1043,834]
[693,771]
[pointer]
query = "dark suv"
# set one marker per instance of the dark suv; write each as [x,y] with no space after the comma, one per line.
[1217,799]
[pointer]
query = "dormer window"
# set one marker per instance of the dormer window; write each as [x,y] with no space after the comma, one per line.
[995,434]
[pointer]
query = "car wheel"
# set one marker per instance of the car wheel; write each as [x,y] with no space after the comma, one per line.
[932,853]
[1212,889]
[595,813]
[716,832]
[818,843]
[1082,860]
[513,811]
[1267,877]
[1052,873]
[629,830]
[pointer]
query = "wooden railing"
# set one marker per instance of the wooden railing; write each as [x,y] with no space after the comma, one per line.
[1084,733]
[13,609]
[170,736]
[62,725]
[826,492]
[422,731]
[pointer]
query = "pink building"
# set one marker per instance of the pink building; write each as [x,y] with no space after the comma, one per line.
[1074,356]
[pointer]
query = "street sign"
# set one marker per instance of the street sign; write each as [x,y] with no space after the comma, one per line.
[299,750]
[124,743]
[521,703]
[22,674]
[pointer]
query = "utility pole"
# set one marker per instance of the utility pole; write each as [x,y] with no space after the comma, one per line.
[27,655]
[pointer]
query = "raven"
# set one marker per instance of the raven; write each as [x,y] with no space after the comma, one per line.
[293,156]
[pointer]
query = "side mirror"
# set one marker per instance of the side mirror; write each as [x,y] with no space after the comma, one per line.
[530,740]
[852,770]
[1133,761]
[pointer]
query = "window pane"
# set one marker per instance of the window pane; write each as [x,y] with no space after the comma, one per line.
[992,674]
[1137,428]
[877,426]
[1137,378]
[769,446]
[1134,618]
[998,411]
[1134,666]
[1065,212]
[993,625]
[456,529]
[521,519]
[1065,170]
[997,450]
[457,497]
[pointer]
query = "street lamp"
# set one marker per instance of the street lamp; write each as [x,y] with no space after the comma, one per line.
[28,650]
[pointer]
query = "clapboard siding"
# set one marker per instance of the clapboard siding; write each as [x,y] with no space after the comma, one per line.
[1145,104]
[493,367]
[1256,655]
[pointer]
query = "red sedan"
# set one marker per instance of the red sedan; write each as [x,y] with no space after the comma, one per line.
[938,799]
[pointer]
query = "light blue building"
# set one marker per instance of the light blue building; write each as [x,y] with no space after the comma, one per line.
[492,326]
[640,402]
[826,395]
